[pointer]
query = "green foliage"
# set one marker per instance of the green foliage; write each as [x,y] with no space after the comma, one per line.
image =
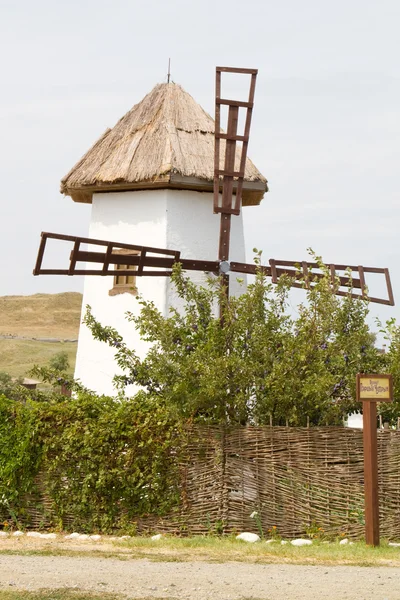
[257,518]
[391,360]
[104,462]
[60,362]
[314,532]
[57,380]
[5,381]
[12,388]
[19,455]
[260,362]
[7,384]
[56,374]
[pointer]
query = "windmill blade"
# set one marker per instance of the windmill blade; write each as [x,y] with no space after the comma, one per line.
[150,262]
[305,274]
[159,262]
[232,179]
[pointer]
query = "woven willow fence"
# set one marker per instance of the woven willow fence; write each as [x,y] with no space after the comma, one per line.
[295,478]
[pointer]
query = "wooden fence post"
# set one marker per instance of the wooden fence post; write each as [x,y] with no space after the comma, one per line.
[371,389]
[371,492]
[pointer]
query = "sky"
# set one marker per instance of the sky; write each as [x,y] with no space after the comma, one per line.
[325,132]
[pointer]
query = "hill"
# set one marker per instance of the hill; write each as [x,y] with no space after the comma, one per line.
[51,316]
[41,315]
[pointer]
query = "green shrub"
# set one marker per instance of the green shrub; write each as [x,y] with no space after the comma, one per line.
[102,462]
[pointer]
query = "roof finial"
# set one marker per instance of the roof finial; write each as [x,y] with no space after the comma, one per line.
[169,70]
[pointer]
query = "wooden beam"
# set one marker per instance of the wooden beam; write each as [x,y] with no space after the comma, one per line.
[371,489]
[236,70]
[224,236]
[40,255]
[299,272]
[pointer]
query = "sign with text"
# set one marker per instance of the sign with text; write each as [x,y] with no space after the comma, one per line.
[372,388]
[378,388]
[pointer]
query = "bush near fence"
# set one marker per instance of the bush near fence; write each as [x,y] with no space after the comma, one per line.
[94,464]
[90,462]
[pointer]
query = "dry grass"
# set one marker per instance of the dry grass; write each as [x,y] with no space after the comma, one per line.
[209,549]
[225,549]
[41,315]
[38,316]
[17,357]
[60,594]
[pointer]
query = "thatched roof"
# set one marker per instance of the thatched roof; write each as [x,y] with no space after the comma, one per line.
[167,140]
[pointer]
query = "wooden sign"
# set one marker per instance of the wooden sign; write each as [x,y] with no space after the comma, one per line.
[372,388]
[378,388]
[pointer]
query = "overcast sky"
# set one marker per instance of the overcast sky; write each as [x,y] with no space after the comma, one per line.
[326,128]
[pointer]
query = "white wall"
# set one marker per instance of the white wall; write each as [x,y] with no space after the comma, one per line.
[174,219]
[193,228]
[355,420]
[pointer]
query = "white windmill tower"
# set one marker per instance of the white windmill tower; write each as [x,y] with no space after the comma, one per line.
[150,182]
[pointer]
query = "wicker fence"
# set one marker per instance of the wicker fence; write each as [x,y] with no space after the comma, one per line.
[295,478]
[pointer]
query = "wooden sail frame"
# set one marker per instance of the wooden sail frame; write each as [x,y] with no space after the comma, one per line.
[158,262]
[229,180]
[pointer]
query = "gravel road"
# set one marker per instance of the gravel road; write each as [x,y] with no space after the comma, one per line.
[200,580]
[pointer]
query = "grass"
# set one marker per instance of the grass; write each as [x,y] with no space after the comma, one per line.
[229,549]
[219,550]
[17,357]
[58,594]
[42,315]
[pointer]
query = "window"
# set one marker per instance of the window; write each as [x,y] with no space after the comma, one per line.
[124,283]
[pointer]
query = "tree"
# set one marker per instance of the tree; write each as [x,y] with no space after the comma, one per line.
[6,383]
[56,374]
[12,387]
[260,363]
[60,362]
[390,411]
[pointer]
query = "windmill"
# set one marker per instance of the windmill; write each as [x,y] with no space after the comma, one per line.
[118,259]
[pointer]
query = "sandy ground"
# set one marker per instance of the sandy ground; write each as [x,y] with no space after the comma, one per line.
[193,580]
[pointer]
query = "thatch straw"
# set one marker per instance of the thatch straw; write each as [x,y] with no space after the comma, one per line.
[167,140]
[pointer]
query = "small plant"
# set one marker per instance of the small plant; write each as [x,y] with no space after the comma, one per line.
[60,362]
[314,532]
[219,527]
[356,513]
[216,528]
[257,518]
[274,533]
[127,526]
[208,524]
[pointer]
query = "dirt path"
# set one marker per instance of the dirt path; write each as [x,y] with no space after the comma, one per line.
[199,580]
